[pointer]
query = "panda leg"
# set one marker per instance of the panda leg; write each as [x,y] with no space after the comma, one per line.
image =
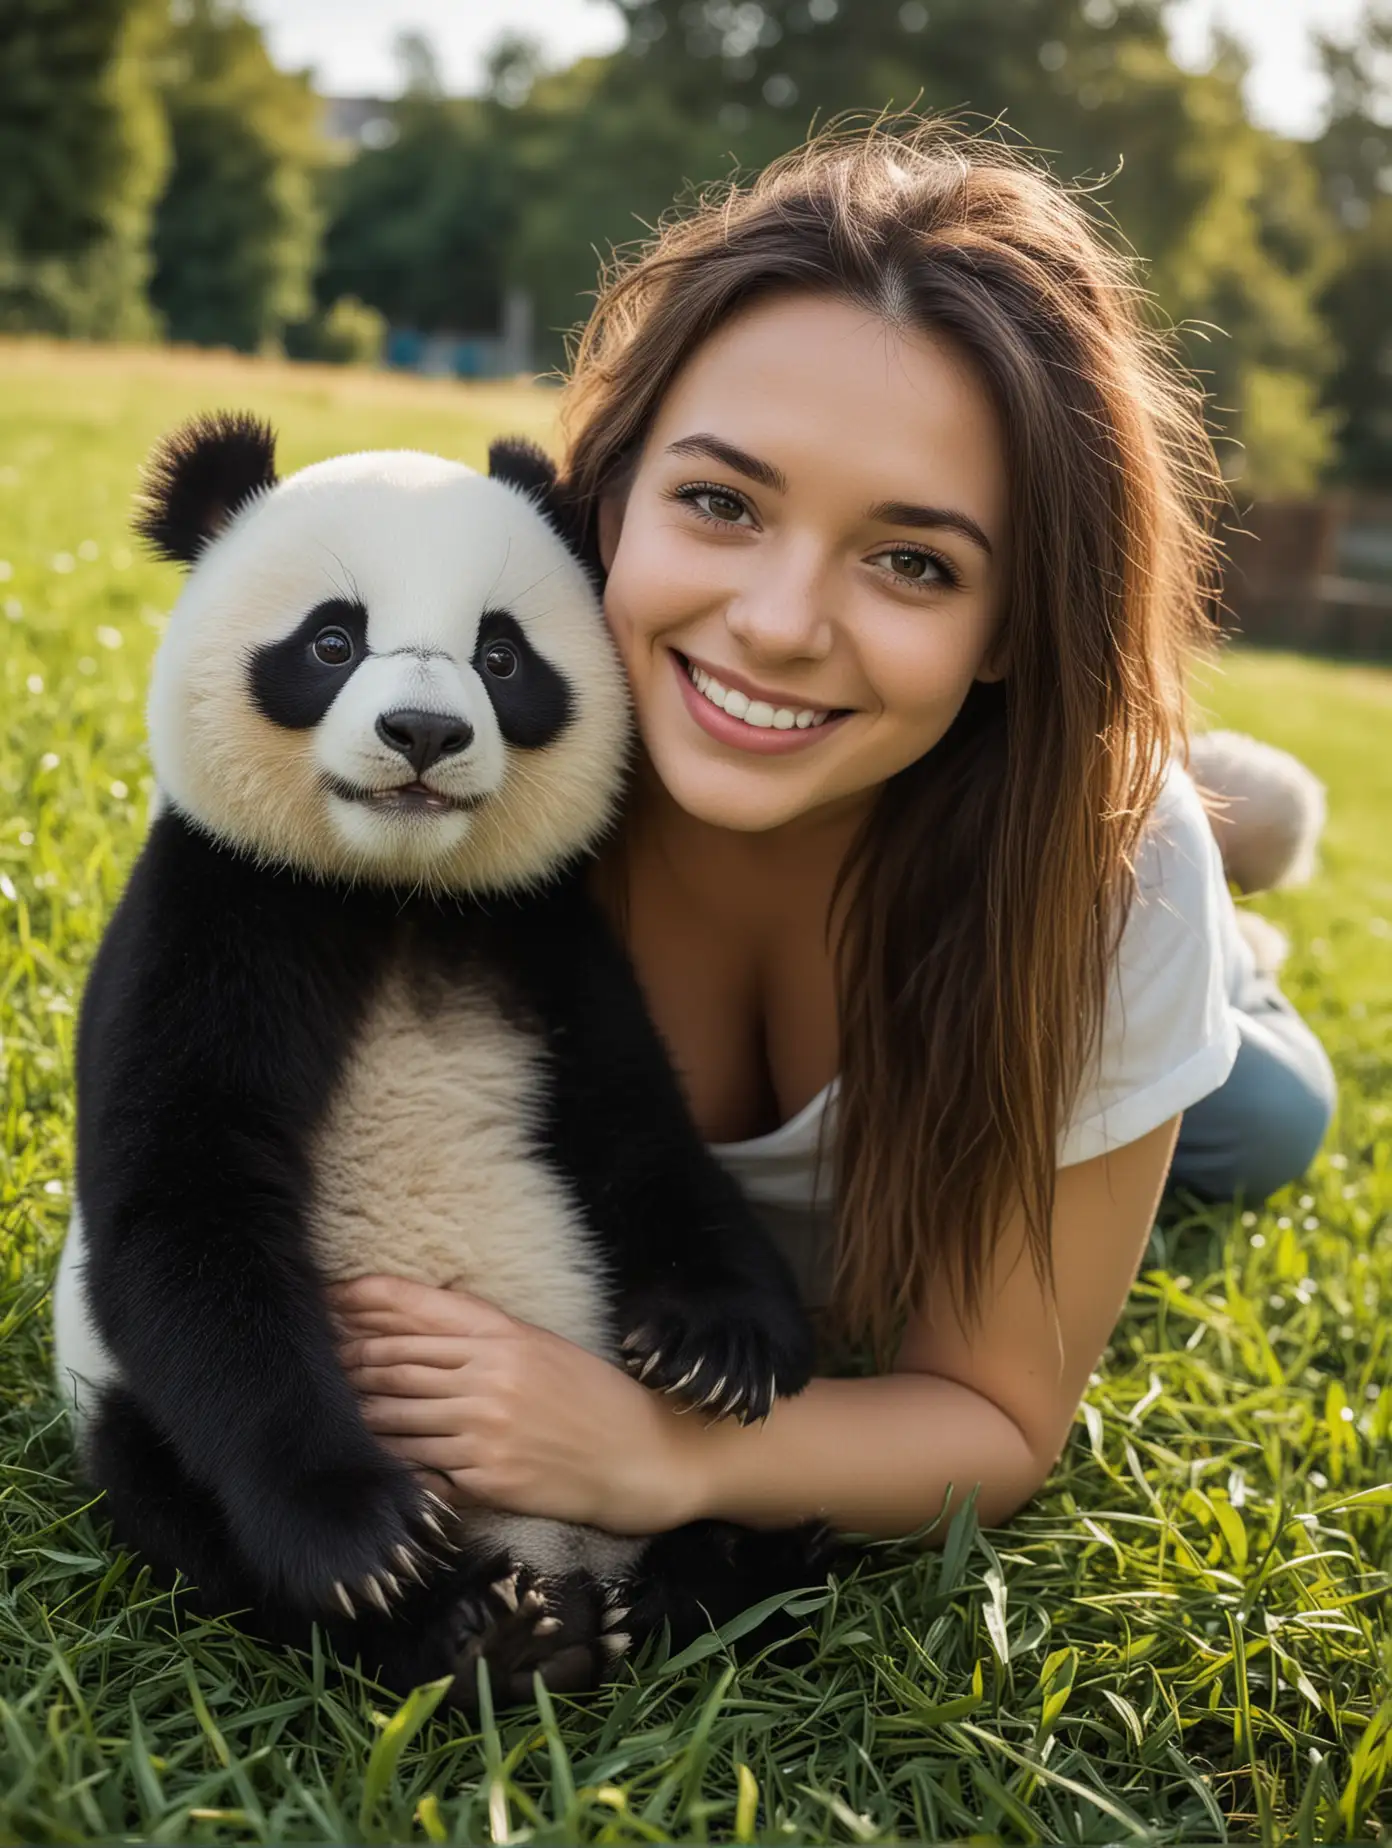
[155,1508]
[696,1578]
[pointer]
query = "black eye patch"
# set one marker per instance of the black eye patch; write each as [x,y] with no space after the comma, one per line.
[295,681]
[531,699]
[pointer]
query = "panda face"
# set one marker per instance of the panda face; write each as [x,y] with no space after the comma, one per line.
[390,668]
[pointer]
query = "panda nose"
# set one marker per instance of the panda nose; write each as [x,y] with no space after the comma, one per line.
[424,737]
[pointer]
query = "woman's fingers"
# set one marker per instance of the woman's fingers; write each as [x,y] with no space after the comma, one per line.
[428,1359]
[419,1306]
[412,1417]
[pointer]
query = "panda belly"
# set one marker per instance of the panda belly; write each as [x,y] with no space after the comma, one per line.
[426,1167]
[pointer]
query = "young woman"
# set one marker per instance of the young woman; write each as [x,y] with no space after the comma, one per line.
[905,518]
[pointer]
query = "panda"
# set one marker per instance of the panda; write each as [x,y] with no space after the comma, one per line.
[356,1012]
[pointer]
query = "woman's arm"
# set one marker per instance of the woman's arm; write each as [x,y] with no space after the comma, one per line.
[988,1409]
[520,1418]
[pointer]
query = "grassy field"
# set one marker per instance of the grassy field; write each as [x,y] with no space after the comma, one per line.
[1185,1638]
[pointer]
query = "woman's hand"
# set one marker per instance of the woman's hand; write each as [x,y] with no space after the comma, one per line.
[512,1415]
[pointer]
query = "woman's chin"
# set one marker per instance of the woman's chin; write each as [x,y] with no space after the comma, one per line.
[744,800]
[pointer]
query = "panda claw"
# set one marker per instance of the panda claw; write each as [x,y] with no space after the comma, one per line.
[506,1590]
[615,1615]
[346,1604]
[373,1591]
[532,1603]
[714,1393]
[546,1626]
[615,1642]
[636,1338]
[406,1560]
[654,1359]
[685,1380]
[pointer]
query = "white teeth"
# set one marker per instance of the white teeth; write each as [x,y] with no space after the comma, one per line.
[756,712]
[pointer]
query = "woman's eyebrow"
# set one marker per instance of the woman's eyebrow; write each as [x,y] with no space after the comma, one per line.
[704,444]
[905,513]
[888,513]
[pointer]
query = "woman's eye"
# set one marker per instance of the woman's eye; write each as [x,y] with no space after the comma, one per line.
[501,660]
[718,505]
[914,567]
[334,647]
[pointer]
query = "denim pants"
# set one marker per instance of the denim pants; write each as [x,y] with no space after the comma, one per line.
[1265,1124]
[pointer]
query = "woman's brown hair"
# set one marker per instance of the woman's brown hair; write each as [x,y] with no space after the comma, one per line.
[987,891]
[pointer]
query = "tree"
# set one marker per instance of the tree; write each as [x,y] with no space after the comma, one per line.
[1355,162]
[236,232]
[82,155]
[419,228]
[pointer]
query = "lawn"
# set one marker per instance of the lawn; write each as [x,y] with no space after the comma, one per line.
[1184,1639]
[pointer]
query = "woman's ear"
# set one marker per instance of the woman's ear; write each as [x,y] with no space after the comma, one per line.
[995,662]
[992,668]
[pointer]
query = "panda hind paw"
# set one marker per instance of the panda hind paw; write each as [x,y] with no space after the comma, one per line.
[521,1627]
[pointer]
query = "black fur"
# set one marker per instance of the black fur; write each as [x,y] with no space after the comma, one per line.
[526,465]
[199,477]
[220,1009]
[290,685]
[533,703]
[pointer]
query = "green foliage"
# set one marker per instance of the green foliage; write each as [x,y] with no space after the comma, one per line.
[347,333]
[236,231]
[82,155]
[419,229]
[1184,1639]
[1355,161]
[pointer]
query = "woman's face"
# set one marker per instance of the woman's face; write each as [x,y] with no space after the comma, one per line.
[805,573]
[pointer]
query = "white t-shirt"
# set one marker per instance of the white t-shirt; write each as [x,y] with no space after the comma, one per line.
[1169,1035]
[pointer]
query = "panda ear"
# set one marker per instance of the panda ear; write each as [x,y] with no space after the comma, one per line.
[199,477]
[524,464]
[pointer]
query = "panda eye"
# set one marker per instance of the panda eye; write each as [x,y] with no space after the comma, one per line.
[501,660]
[334,647]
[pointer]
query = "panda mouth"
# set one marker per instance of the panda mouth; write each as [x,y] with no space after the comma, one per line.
[415,798]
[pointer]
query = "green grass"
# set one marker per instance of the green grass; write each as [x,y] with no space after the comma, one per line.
[1184,1639]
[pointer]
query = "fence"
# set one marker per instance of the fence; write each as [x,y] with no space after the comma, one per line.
[1314,574]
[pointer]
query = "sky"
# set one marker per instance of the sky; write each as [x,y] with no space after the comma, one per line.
[349,42]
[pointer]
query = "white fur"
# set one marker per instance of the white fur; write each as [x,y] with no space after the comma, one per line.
[1269,810]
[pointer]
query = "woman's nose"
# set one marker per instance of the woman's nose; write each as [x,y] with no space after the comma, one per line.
[784,611]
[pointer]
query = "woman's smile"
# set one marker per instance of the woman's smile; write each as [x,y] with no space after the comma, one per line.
[749,720]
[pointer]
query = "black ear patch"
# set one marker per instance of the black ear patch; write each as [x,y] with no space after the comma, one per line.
[199,477]
[525,464]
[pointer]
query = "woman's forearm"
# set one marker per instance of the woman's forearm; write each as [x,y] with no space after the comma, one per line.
[874,1456]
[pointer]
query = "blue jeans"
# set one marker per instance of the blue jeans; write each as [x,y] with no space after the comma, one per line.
[1264,1126]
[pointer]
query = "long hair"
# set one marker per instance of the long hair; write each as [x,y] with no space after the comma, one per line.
[986,893]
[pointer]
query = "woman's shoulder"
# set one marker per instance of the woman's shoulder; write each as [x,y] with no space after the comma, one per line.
[1177,846]
[1168,1035]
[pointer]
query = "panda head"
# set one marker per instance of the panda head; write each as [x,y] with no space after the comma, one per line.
[385,667]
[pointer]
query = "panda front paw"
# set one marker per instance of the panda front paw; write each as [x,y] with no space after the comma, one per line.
[341,1542]
[721,1353]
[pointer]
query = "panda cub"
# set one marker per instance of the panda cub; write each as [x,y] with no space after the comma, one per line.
[356,1012]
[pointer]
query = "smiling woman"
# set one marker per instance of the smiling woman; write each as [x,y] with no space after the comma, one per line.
[905,522]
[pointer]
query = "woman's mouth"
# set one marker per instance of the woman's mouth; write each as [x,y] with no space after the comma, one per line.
[752,725]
